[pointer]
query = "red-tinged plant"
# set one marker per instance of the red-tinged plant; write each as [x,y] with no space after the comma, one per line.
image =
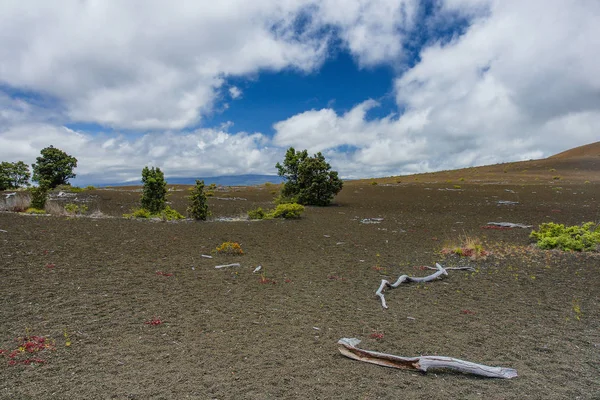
[167,274]
[27,345]
[154,321]
[50,266]
[336,278]
[288,280]
[495,227]
[468,312]
[376,335]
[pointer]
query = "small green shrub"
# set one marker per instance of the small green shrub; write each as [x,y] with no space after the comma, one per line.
[33,210]
[39,196]
[138,213]
[209,193]
[258,213]
[587,182]
[90,187]
[456,186]
[76,189]
[571,238]
[76,209]
[287,211]
[169,214]
[212,186]
[374,183]
[556,178]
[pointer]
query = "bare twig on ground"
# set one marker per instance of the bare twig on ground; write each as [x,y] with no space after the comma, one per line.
[227,265]
[406,278]
[347,346]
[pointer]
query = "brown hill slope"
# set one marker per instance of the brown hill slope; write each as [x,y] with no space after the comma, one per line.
[577,165]
[588,150]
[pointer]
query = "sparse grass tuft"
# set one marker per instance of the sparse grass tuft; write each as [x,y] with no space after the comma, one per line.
[468,247]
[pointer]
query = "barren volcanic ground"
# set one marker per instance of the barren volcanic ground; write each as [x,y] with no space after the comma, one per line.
[224,335]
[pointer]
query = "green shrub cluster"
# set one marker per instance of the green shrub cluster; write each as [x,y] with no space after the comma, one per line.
[574,238]
[285,210]
[167,214]
[258,213]
[76,209]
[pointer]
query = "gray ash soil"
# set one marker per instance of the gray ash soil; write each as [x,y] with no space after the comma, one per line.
[227,336]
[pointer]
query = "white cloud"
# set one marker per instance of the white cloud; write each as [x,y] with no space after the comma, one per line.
[147,65]
[373,30]
[110,159]
[235,92]
[520,83]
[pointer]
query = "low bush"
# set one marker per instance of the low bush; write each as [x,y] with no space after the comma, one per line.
[287,211]
[76,189]
[232,248]
[75,209]
[585,237]
[33,210]
[170,214]
[138,213]
[258,213]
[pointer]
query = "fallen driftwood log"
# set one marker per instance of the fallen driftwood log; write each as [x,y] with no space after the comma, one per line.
[509,225]
[227,265]
[405,278]
[347,346]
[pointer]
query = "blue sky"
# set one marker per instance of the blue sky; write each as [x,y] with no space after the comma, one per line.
[381,87]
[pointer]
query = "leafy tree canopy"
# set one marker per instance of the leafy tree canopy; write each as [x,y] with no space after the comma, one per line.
[14,175]
[53,168]
[309,180]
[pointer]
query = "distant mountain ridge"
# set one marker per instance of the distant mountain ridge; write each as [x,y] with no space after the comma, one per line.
[225,180]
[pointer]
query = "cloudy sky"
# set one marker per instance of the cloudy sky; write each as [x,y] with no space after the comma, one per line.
[381,87]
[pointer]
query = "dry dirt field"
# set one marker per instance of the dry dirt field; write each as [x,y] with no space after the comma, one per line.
[93,283]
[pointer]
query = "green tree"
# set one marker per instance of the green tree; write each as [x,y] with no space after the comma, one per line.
[198,208]
[39,196]
[308,180]
[154,194]
[53,168]
[13,175]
